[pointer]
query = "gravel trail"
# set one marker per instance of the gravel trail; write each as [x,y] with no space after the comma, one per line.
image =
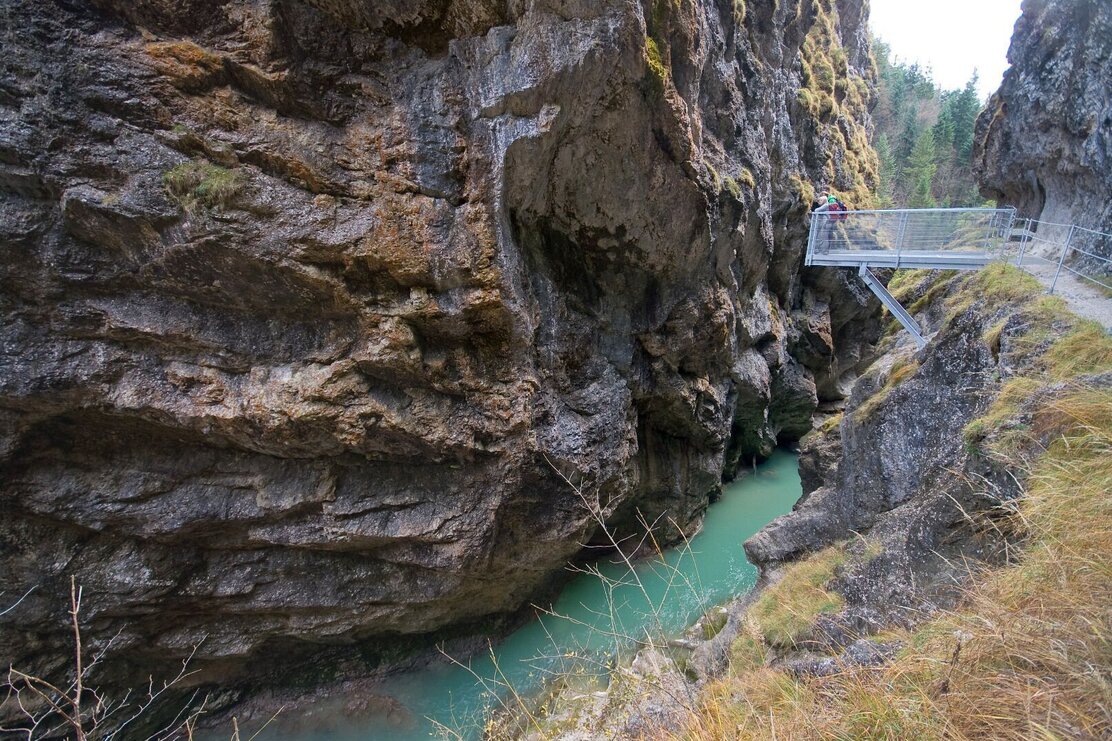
[1085,299]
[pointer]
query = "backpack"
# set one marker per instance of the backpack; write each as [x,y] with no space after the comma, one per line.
[839,207]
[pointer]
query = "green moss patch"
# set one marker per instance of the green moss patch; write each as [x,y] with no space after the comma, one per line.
[197,184]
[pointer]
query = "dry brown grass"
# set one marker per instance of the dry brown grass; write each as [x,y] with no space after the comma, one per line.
[786,610]
[994,287]
[1028,653]
[1087,349]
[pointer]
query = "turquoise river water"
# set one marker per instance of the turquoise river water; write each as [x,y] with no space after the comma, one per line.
[591,625]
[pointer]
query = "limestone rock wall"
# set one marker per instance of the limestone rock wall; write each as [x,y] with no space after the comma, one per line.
[1044,142]
[309,306]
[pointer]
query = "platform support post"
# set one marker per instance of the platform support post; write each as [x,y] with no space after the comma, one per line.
[893,305]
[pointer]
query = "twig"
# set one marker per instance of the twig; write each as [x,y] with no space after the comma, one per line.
[75,608]
[8,609]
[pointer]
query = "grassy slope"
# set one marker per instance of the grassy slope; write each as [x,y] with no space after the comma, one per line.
[1028,654]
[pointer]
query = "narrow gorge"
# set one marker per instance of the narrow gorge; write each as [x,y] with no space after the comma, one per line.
[321,319]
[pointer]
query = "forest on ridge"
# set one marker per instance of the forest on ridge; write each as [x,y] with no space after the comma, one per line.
[923,136]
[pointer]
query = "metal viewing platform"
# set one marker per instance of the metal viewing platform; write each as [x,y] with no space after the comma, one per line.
[937,238]
[941,238]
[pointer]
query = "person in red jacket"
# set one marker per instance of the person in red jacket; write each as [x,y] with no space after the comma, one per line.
[826,202]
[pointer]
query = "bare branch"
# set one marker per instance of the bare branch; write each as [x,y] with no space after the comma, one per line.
[75,700]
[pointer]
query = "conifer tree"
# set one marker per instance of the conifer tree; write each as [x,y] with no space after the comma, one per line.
[921,168]
[964,111]
[887,179]
[910,106]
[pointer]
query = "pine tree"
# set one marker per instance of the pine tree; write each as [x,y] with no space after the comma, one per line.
[964,110]
[910,105]
[921,167]
[887,177]
[912,129]
[944,130]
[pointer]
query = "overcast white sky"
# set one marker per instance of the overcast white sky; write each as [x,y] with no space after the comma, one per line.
[952,37]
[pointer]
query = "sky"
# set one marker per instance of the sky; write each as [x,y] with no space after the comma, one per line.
[952,37]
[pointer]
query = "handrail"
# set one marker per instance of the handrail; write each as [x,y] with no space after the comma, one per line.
[1071,258]
[949,238]
[921,210]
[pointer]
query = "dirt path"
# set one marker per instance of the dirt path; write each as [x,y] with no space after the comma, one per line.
[1084,299]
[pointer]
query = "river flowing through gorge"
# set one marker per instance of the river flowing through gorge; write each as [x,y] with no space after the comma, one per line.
[594,623]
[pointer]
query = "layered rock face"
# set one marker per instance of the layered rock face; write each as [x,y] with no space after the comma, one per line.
[310,307]
[1044,142]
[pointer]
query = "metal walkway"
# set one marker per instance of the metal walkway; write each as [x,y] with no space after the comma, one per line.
[938,238]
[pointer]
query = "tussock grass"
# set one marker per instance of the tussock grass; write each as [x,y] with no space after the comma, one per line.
[194,184]
[785,612]
[1087,349]
[1027,654]
[994,287]
[804,189]
[748,651]
[1002,418]
[739,12]
[832,422]
[905,281]
[730,185]
[901,370]
[941,285]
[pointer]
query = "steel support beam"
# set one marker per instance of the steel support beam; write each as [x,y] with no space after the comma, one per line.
[893,305]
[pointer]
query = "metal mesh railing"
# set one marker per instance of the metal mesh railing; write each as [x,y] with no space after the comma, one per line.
[945,237]
[1066,249]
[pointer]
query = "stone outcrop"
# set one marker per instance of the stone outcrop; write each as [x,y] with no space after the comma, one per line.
[1044,141]
[897,477]
[310,307]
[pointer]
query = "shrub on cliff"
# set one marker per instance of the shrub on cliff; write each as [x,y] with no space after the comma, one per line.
[195,184]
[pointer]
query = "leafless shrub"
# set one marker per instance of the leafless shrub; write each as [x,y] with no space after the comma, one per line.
[74,709]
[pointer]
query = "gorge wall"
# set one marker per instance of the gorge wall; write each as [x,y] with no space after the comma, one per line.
[897,479]
[1044,141]
[310,305]
[916,553]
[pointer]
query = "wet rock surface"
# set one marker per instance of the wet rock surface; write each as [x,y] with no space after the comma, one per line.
[309,307]
[861,652]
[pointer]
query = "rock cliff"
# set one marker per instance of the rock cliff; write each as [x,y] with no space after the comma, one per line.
[902,469]
[310,306]
[901,480]
[917,499]
[1044,141]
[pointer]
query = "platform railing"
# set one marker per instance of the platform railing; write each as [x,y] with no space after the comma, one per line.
[1066,249]
[955,238]
[939,238]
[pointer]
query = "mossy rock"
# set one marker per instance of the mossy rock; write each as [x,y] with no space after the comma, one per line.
[196,184]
